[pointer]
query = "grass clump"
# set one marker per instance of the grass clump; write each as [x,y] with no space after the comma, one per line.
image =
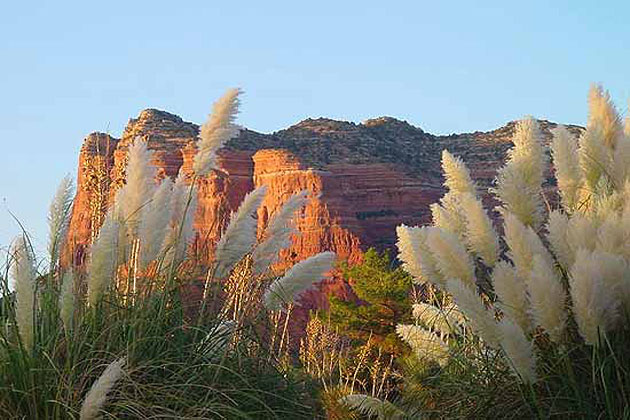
[543,296]
[121,338]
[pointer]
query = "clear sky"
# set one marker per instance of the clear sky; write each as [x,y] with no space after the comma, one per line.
[70,68]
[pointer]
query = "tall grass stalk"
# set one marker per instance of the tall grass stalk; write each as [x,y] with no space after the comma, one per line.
[54,340]
[554,308]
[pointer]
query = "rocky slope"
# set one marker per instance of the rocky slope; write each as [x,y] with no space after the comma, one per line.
[366,179]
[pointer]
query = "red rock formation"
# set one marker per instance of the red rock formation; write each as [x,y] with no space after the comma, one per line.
[365,179]
[96,160]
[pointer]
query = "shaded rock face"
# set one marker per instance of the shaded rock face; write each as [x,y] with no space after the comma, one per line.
[96,160]
[365,179]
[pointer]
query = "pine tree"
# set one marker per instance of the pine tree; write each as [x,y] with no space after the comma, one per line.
[383,291]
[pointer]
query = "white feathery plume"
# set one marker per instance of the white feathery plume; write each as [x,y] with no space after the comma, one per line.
[179,198]
[59,218]
[615,273]
[218,129]
[298,279]
[443,320]
[416,256]
[602,113]
[519,350]
[372,407]
[557,228]
[452,260]
[182,217]
[519,182]
[139,187]
[155,222]
[517,197]
[240,235]
[456,174]
[278,233]
[425,344]
[102,266]
[23,271]
[547,299]
[595,300]
[481,319]
[606,206]
[67,300]
[448,214]
[523,243]
[581,233]
[97,395]
[528,150]
[480,235]
[564,150]
[621,161]
[626,127]
[594,158]
[512,294]
[612,237]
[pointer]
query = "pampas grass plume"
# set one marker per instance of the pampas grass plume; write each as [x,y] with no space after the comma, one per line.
[602,113]
[445,320]
[456,174]
[278,233]
[298,279]
[612,238]
[183,205]
[448,215]
[450,255]
[519,182]
[512,294]
[621,161]
[564,150]
[519,350]
[581,233]
[481,319]
[155,223]
[426,344]
[523,243]
[23,270]
[218,129]
[594,158]
[557,228]
[547,298]
[97,395]
[59,218]
[102,264]
[140,185]
[416,256]
[595,300]
[480,235]
[240,235]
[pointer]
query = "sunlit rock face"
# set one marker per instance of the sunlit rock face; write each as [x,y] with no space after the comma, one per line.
[364,178]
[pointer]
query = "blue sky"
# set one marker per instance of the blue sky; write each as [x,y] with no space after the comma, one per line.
[70,68]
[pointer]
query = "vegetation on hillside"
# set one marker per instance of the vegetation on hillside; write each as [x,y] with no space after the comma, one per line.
[533,322]
[517,312]
[124,338]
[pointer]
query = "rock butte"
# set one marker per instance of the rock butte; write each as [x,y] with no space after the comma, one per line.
[365,178]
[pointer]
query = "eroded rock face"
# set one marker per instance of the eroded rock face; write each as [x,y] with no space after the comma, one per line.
[365,179]
[96,160]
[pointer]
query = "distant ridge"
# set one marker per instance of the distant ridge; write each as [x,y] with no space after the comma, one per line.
[366,179]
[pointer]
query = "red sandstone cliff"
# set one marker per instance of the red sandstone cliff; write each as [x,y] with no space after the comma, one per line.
[366,179]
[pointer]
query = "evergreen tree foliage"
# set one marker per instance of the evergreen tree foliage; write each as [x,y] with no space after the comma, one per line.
[384,291]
